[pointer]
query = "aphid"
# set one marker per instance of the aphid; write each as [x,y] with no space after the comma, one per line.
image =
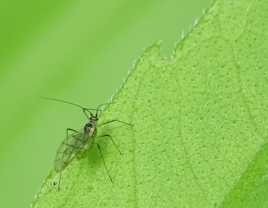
[79,140]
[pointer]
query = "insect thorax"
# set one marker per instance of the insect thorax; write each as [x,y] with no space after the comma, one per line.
[90,128]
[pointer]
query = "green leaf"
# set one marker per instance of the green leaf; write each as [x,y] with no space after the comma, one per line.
[200,124]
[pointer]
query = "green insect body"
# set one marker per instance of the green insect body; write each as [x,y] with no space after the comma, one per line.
[68,149]
[75,143]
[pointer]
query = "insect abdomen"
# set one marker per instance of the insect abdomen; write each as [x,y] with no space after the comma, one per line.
[68,150]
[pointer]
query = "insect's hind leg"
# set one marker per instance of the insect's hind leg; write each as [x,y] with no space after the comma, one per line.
[59,182]
[100,152]
[60,173]
[111,138]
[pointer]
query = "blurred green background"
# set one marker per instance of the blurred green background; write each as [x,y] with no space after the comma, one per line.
[75,50]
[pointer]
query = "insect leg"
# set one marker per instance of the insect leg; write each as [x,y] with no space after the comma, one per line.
[72,130]
[59,182]
[85,112]
[99,148]
[115,120]
[111,138]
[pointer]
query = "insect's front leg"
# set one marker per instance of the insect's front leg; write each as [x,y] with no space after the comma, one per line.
[114,120]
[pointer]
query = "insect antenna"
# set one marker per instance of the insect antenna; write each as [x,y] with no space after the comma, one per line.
[98,109]
[68,102]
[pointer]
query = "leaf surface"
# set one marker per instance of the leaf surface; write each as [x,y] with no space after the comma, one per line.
[200,123]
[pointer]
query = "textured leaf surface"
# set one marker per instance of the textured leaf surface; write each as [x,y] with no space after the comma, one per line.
[200,124]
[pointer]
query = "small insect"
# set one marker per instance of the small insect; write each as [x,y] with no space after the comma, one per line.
[79,140]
